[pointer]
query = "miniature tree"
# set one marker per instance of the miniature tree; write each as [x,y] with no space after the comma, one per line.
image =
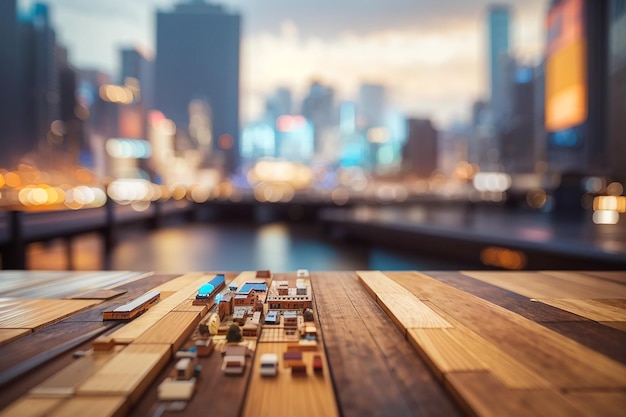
[308,314]
[234,334]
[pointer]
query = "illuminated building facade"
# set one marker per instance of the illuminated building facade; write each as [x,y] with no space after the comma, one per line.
[575,92]
[197,58]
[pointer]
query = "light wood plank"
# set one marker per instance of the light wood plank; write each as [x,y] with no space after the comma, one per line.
[92,407]
[544,285]
[25,313]
[410,312]
[129,373]
[480,394]
[137,327]
[563,362]
[31,407]
[9,335]
[378,283]
[174,328]
[597,310]
[443,351]
[287,395]
[65,382]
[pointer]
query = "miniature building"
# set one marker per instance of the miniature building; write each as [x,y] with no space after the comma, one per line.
[290,301]
[283,287]
[226,305]
[184,369]
[290,322]
[204,347]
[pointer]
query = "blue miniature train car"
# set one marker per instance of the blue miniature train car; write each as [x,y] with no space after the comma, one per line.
[211,288]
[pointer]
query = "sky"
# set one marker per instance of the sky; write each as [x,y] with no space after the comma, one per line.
[430,54]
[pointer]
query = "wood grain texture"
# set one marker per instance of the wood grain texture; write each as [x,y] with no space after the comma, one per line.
[366,352]
[552,284]
[128,373]
[92,407]
[510,300]
[287,395]
[189,286]
[597,310]
[483,395]
[561,361]
[410,312]
[9,335]
[605,404]
[173,329]
[31,407]
[24,313]
[444,351]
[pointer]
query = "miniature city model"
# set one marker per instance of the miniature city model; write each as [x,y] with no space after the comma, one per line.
[133,308]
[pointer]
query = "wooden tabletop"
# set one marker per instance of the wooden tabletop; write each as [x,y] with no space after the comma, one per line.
[392,343]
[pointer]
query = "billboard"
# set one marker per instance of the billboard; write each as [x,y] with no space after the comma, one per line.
[566,104]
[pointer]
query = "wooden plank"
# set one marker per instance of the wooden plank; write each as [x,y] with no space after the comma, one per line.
[288,395]
[65,381]
[597,310]
[127,374]
[619,325]
[563,362]
[549,285]
[378,283]
[137,327]
[31,407]
[484,396]
[9,335]
[92,407]
[187,306]
[510,300]
[366,352]
[608,281]
[23,313]
[616,276]
[174,328]
[605,404]
[96,294]
[409,312]
[600,337]
[443,351]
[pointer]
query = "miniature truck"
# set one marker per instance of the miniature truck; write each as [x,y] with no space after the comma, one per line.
[234,360]
[269,364]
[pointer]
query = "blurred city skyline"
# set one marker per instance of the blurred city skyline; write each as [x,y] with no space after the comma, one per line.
[430,56]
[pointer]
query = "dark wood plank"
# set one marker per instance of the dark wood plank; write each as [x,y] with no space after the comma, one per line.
[604,339]
[512,301]
[374,369]
[558,359]
[596,336]
[132,290]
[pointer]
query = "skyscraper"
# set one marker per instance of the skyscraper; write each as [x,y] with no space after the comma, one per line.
[197,58]
[9,82]
[420,152]
[498,28]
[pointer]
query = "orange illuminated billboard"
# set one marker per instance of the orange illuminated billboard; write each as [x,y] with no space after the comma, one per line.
[566,69]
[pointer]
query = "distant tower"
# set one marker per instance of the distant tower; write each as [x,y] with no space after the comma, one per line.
[419,155]
[197,58]
[10,102]
[499,29]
